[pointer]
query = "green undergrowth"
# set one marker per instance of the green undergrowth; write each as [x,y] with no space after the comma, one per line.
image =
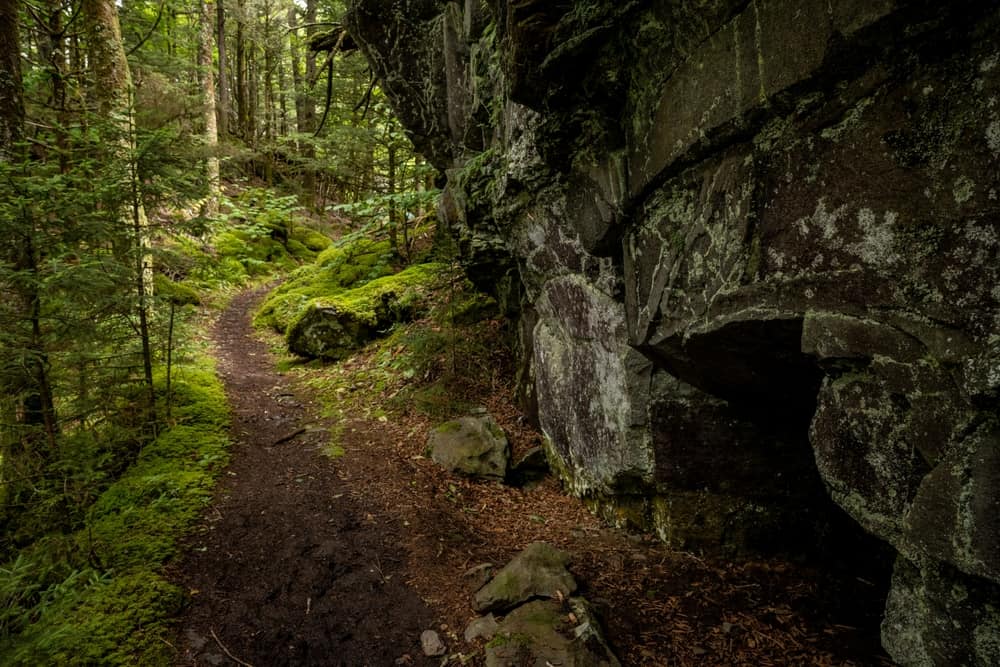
[258,234]
[96,594]
[435,367]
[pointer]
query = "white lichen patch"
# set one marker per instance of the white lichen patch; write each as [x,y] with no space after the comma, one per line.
[981,234]
[963,190]
[824,221]
[993,137]
[989,64]
[877,246]
[851,119]
[986,638]
[777,258]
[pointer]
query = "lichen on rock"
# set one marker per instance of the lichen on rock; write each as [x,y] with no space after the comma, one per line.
[755,254]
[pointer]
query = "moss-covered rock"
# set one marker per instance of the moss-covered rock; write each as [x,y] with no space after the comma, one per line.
[338,268]
[539,633]
[177,293]
[538,571]
[332,327]
[474,446]
[311,239]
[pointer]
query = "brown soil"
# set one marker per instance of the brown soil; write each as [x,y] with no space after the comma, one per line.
[289,569]
[306,559]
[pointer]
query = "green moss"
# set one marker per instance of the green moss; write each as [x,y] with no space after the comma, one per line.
[332,327]
[448,427]
[474,308]
[311,239]
[177,293]
[509,639]
[299,251]
[336,269]
[97,595]
[117,622]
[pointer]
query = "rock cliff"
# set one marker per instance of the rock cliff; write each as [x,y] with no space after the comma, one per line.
[753,247]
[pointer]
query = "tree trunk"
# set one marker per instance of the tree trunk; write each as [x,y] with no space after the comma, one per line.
[391,190]
[208,91]
[268,97]
[241,79]
[223,127]
[37,406]
[307,124]
[282,97]
[113,93]
[296,63]
[252,94]
[11,100]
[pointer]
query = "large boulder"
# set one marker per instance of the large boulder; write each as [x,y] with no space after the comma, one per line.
[758,250]
[333,327]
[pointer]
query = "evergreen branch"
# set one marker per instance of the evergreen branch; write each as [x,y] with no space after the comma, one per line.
[159,15]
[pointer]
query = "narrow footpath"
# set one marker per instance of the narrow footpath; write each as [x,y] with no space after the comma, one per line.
[302,559]
[285,570]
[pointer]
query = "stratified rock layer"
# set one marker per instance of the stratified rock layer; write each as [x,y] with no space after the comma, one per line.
[755,249]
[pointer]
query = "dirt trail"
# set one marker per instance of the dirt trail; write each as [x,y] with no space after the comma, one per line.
[289,569]
[306,560]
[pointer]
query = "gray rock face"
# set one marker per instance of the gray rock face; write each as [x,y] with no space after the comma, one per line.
[538,571]
[757,251]
[472,446]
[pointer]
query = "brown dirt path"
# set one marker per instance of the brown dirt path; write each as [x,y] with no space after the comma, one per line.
[289,568]
[305,560]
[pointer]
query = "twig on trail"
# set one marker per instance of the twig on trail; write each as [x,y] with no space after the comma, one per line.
[281,441]
[226,650]
[381,574]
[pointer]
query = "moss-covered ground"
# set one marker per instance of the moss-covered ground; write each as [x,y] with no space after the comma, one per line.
[97,595]
[82,575]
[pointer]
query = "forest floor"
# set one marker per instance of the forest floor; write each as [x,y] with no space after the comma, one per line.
[310,559]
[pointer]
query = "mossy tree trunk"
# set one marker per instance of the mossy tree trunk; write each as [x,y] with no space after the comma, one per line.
[223,110]
[242,104]
[11,99]
[113,95]
[211,135]
[304,81]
